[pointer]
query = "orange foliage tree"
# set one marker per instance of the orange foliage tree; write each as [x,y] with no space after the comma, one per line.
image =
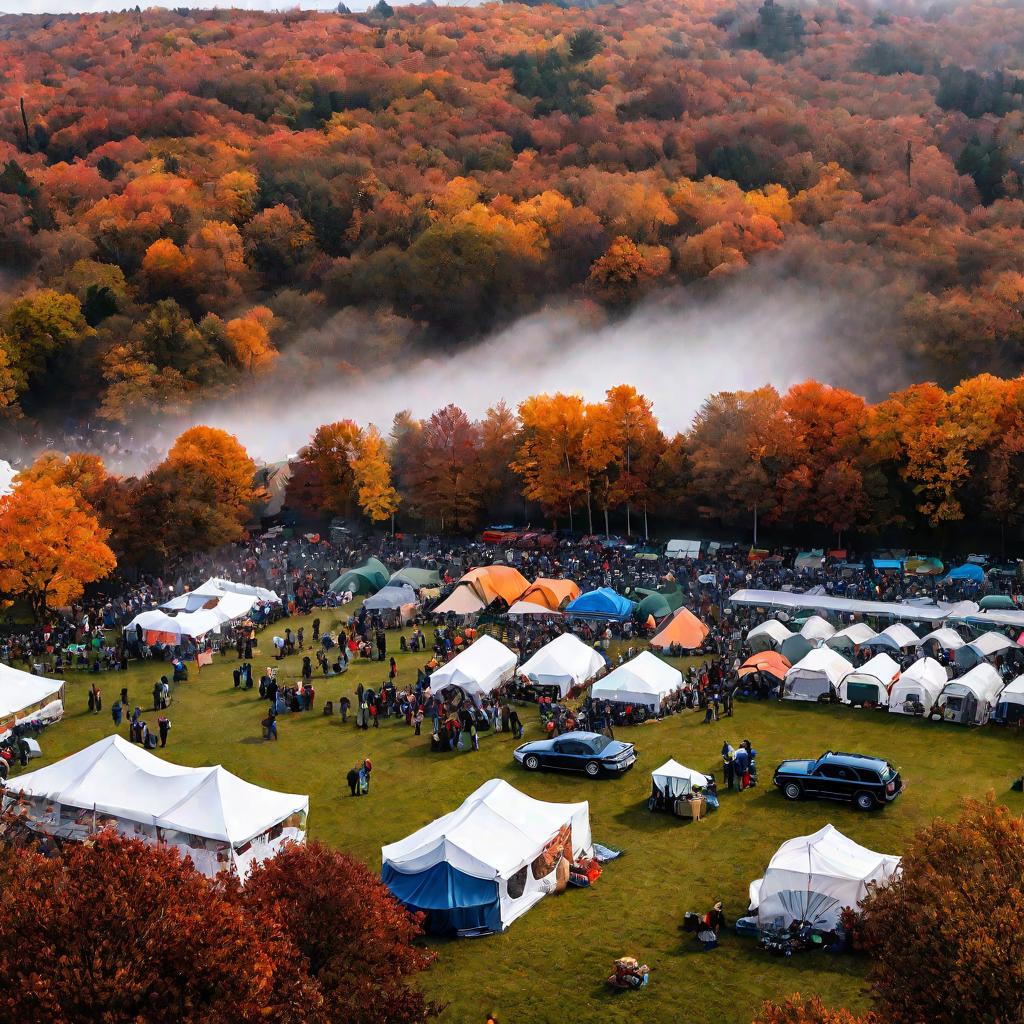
[51,545]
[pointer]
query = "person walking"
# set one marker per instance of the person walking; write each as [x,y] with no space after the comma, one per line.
[353,780]
[163,723]
[515,724]
[156,695]
[728,765]
[742,762]
[418,719]
[343,705]
[116,713]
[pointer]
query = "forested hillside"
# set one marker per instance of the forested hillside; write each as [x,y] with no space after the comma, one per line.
[182,193]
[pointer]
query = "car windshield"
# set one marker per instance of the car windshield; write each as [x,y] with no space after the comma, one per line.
[598,743]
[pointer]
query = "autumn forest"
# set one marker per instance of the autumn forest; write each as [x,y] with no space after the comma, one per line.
[182,194]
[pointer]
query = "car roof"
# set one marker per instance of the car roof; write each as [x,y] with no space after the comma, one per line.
[853,760]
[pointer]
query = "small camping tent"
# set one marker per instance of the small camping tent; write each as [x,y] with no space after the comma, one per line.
[988,645]
[645,680]
[416,578]
[969,571]
[489,861]
[998,602]
[483,666]
[566,662]
[971,699]
[816,628]
[656,605]
[683,629]
[816,676]
[462,601]
[917,689]
[26,698]
[796,648]
[871,683]
[220,821]
[367,578]
[603,603]
[895,637]
[769,663]
[390,598]
[769,634]
[551,593]
[675,780]
[812,878]
[1010,709]
[492,582]
[946,638]
[856,635]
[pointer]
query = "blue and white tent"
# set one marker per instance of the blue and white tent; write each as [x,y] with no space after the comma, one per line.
[488,862]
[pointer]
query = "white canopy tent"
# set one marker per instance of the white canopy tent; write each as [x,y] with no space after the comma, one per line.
[566,662]
[482,667]
[216,585]
[988,645]
[971,699]
[816,628]
[921,685]
[811,878]
[840,605]
[498,836]
[646,679]
[1010,709]
[896,637]
[856,635]
[815,676]
[25,698]
[768,635]
[219,820]
[682,549]
[871,682]
[676,780]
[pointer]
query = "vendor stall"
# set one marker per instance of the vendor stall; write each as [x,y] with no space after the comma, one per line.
[869,685]
[676,789]
[645,681]
[970,699]
[562,665]
[27,698]
[917,690]
[475,672]
[817,676]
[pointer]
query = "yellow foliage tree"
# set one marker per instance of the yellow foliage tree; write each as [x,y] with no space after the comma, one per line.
[249,336]
[371,471]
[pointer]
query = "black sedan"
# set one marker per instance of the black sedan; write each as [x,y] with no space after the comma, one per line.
[588,752]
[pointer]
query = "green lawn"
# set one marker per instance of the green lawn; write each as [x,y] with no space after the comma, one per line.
[551,964]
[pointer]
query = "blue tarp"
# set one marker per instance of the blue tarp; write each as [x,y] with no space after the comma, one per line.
[450,898]
[970,571]
[886,563]
[603,603]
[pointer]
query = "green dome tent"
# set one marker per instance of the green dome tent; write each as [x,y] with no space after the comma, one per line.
[417,578]
[1002,601]
[367,578]
[659,605]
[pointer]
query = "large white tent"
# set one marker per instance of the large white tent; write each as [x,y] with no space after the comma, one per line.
[566,662]
[811,878]
[219,820]
[646,679]
[841,605]
[484,665]
[971,698]
[487,862]
[946,637]
[871,682]
[769,634]
[676,780]
[25,697]
[216,585]
[920,684]
[816,675]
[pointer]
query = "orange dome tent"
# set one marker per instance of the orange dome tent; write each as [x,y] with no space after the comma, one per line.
[683,628]
[494,581]
[770,662]
[553,594]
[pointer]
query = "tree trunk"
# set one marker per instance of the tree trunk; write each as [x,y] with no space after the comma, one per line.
[590,513]
[607,533]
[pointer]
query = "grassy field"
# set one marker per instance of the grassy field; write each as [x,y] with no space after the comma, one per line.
[551,964]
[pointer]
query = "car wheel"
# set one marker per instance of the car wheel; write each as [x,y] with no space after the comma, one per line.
[865,801]
[792,791]
[593,769]
[532,762]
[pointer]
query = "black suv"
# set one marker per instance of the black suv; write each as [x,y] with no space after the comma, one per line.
[868,782]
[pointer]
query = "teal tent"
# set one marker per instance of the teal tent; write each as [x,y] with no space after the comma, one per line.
[1001,601]
[417,577]
[367,578]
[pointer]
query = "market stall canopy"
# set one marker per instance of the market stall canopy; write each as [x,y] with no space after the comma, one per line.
[216,586]
[492,582]
[768,662]
[417,578]
[985,646]
[816,674]
[982,682]
[921,683]
[484,665]
[682,549]
[552,593]
[391,599]
[676,780]
[845,605]
[683,628]
[566,662]
[856,635]
[645,680]
[816,628]
[812,878]
[769,634]
[967,571]
[367,578]
[118,778]
[463,600]
[158,626]
[457,869]
[603,603]
[871,681]
[22,693]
